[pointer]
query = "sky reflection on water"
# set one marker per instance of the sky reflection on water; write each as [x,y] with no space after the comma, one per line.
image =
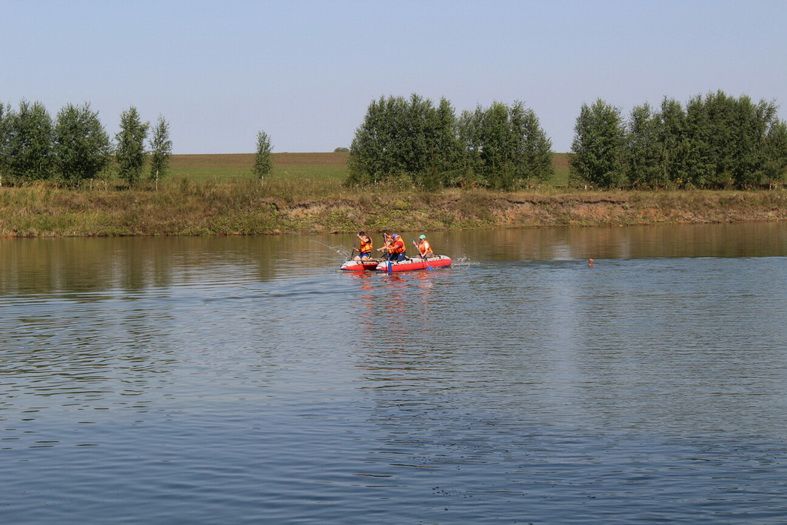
[243,380]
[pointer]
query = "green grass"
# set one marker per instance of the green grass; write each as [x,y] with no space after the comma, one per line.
[560,163]
[329,169]
[217,195]
[286,166]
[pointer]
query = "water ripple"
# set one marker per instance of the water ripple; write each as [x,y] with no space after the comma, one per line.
[639,390]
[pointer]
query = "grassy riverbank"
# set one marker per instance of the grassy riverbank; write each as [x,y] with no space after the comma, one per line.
[215,195]
[244,209]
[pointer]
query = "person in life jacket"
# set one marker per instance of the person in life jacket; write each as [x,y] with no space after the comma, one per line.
[386,241]
[365,246]
[424,248]
[386,244]
[396,248]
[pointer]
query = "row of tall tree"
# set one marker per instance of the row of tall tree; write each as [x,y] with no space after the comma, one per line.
[500,146]
[75,146]
[715,141]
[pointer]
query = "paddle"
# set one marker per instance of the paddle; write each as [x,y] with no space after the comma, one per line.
[384,248]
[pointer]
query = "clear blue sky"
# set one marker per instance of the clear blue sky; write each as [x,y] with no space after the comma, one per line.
[305,71]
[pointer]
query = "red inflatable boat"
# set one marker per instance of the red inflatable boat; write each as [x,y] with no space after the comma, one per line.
[359,266]
[416,263]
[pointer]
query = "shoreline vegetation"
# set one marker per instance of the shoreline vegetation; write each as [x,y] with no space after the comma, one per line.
[413,165]
[218,195]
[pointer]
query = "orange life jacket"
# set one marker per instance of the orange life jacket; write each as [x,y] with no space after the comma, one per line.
[424,247]
[397,246]
[366,246]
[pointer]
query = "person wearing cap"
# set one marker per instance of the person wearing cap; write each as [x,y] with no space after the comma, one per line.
[424,248]
[396,248]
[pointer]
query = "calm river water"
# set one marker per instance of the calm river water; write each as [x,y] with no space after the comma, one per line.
[246,380]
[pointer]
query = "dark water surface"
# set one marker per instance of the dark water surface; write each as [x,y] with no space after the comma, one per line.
[245,380]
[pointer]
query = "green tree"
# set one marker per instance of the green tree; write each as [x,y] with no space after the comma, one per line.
[442,151]
[712,128]
[29,142]
[445,149]
[674,143]
[373,149]
[5,120]
[700,165]
[644,162]
[471,136]
[750,155]
[727,140]
[406,137]
[505,146]
[81,146]
[130,152]
[160,150]
[262,161]
[775,167]
[533,148]
[598,146]
[497,147]
[416,129]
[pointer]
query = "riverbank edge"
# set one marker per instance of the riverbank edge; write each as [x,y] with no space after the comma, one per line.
[250,210]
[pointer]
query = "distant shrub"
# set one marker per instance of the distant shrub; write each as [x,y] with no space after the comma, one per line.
[160,150]
[130,150]
[5,120]
[262,160]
